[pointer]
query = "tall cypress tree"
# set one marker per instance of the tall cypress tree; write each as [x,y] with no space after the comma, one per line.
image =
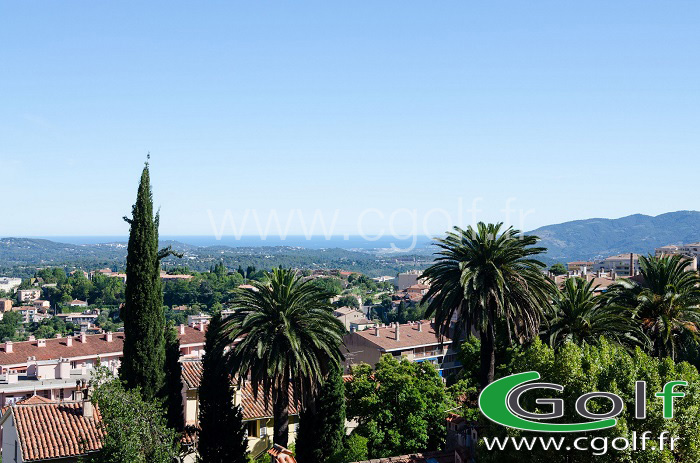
[173,380]
[221,437]
[321,432]
[144,319]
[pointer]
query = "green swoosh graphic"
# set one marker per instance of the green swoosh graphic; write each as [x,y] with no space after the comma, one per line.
[492,403]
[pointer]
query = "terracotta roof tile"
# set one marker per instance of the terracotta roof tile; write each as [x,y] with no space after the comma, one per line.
[56,430]
[192,373]
[409,336]
[96,345]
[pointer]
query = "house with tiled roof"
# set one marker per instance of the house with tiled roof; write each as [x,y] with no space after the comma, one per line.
[51,367]
[257,413]
[413,341]
[40,430]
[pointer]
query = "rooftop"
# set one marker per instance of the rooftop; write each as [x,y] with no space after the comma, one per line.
[95,344]
[409,336]
[48,430]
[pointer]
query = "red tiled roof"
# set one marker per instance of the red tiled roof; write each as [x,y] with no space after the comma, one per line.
[192,373]
[95,344]
[409,336]
[56,430]
[33,400]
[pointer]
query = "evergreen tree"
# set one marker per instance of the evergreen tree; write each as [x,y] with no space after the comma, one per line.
[321,431]
[221,437]
[143,364]
[173,380]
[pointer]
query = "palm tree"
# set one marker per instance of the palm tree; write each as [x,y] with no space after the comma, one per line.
[288,341]
[666,301]
[579,315]
[482,276]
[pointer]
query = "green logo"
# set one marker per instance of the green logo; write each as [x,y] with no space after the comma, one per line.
[500,402]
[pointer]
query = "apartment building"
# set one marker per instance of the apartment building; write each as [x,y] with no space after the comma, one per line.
[691,251]
[51,368]
[413,341]
[579,266]
[622,265]
[406,279]
[28,295]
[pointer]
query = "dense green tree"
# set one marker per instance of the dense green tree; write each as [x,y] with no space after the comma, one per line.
[222,436]
[10,323]
[143,363]
[348,301]
[331,285]
[321,431]
[558,269]
[609,367]
[666,301]
[400,406]
[136,430]
[484,275]
[579,315]
[289,339]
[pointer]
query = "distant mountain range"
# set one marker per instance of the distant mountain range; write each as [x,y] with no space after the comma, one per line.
[591,238]
[576,240]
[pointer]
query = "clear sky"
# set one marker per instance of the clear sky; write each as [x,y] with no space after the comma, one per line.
[573,109]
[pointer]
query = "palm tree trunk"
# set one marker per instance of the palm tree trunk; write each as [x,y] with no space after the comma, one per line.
[280,411]
[488,351]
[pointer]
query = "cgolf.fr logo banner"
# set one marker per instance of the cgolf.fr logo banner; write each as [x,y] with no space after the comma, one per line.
[501,403]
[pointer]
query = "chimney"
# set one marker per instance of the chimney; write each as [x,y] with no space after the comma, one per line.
[420,326]
[58,336]
[8,347]
[32,338]
[631,264]
[69,341]
[83,337]
[108,336]
[41,343]
[376,333]
[397,335]
[182,329]
[88,409]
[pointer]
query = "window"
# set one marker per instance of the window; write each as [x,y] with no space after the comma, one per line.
[252,429]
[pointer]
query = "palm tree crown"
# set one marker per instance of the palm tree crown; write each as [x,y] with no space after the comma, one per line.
[666,301]
[483,275]
[288,339]
[579,315]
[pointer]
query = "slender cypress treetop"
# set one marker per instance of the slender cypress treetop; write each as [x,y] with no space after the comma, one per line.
[144,320]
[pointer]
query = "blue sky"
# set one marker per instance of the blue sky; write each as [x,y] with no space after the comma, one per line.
[572,109]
